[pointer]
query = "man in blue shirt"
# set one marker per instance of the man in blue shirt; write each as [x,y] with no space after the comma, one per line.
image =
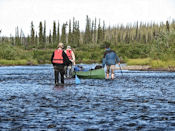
[110,58]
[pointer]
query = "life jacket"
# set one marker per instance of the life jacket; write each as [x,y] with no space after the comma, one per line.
[58,58]
[69,54]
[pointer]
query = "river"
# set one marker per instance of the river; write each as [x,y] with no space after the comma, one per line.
[136,100]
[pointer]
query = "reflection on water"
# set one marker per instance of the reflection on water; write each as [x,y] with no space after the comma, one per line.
[135,101]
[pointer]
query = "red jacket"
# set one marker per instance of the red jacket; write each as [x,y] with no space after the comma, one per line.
[69,54]
[58,57]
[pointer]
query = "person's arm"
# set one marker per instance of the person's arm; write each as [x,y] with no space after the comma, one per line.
[103,62]
[66,59]
[52,58]
[73,58]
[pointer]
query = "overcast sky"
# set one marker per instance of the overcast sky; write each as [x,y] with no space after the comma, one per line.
[20,13]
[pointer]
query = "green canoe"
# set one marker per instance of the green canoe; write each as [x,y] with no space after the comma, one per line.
[91,74]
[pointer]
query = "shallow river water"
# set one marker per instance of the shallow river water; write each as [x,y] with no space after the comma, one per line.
[138,100]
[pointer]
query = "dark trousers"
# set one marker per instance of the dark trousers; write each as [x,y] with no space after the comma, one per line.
[59,70]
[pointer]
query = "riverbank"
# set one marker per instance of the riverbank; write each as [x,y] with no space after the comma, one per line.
[17,55]
[148,64]
[126,67]
[145,68]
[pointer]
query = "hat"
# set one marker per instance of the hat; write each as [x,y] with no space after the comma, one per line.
[60,45]
[68,47]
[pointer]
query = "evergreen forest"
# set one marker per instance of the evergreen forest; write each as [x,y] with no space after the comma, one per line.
[136,44]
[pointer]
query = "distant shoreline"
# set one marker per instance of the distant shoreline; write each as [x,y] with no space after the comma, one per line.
[145,68]
[131,67]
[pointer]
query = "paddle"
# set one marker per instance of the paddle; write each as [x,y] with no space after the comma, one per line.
[121,69]
[77,80]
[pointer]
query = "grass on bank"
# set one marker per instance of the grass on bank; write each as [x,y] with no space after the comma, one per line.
[152,63]
[18,62]
[163,64]
[144,61]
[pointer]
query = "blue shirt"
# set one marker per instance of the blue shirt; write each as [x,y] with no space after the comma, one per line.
[110,57]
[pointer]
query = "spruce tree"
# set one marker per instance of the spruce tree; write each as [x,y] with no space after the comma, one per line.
[100,33]
[74,32]
[70,33]
[50,37]
[87,37]
[103,31]
[119,37]
[36,39]
[78,33]
[17,38]
[95,31]
[40,34]
[44,33]
[22,37]
[136,35]
[92,32]
[63,33]
[32,41]
[167,26]
[54,33]
[58,33]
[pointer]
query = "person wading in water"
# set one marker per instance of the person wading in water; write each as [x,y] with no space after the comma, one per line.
[71,57]
[110,58]
[59,60]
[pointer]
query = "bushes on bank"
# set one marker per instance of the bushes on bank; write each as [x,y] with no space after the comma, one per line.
[42,56]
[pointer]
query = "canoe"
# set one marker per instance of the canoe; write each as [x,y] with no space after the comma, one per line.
[91,74]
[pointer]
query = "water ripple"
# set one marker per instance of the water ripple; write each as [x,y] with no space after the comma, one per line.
[138,100]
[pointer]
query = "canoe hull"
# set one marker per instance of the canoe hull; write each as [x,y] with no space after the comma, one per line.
[91,74]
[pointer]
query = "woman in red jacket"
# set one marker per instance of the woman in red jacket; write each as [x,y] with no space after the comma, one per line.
[59,60]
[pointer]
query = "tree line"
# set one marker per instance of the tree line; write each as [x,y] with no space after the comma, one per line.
[95,33]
